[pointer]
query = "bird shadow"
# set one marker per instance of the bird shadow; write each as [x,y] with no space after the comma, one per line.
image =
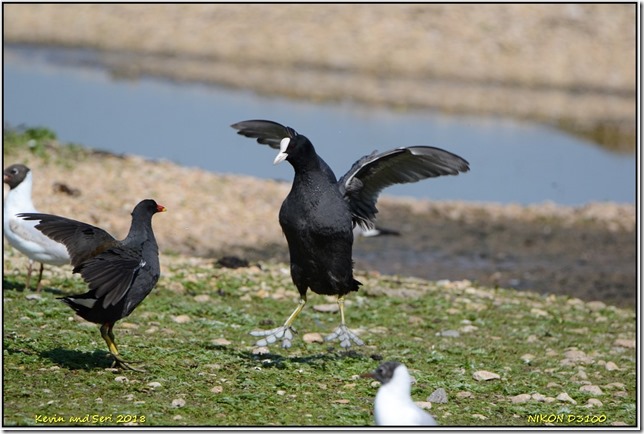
[12,285]
[15,285]
[280,361]
[74,360]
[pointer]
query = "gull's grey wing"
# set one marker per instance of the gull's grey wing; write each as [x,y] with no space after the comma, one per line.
[266,132]
[368,176]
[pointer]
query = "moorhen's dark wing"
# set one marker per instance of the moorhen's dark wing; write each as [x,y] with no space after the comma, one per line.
[368,176]
[112,273]
[266,132]
[82,240]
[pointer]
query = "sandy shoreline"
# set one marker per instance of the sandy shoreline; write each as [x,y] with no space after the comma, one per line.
[571,66]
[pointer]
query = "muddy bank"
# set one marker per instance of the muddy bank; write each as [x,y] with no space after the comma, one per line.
[568,65]
[587,252]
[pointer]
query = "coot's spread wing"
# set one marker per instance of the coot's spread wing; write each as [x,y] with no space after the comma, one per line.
[266,132]
[368,176]
[111,274]
[83,241]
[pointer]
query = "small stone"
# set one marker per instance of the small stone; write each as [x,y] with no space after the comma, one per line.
[539,312]
[485,376]
[217,389]
[594,402]
[549,399]
[615,386]
[479,416]
[527,358]
[564,397]
[439,396]
[154,384]
[424,405]
[520,399]
[328,308]
[611,366]
[178,403]
[181,319]
[281,392]
[592,389]
[221,341]
[98,400]
[310,338]
[626,343]
[177,417]
[450,333]
[260,350]
[121,379]
[552,384]
[468,328]
[538,397]
[341,401]
[33,297]
[464,394]
[202,298]
[596,305]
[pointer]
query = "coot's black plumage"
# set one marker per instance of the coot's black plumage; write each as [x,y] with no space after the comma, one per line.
[319,213]
[120,274]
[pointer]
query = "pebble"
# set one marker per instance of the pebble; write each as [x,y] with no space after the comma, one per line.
[539,397]
[221,341]
[217,389]
[154,384]
[527,358]
[626,343]
[468,328]
[33,297]
[177,417]
[181,319]
[564,397]
[539,312]
[424,404]
[310,338]
[592,389]
[611,366]
[328,308]
[464,394]
[202,298]
[281,392]
[121,379]
[485,376]
[341,401]
[593,402]
[178,403]
[439,396]
[449,333]
[260,350]
[520,399]
[479,416]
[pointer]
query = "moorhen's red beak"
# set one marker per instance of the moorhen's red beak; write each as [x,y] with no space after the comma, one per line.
[161,208]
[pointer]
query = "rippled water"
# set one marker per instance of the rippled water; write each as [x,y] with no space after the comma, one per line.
[189,124]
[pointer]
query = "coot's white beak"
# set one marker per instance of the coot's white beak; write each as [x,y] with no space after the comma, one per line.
[282,154]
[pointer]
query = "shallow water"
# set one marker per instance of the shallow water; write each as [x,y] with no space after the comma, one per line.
[69,92]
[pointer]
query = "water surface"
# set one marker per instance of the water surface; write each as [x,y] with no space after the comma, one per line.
[510,161]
